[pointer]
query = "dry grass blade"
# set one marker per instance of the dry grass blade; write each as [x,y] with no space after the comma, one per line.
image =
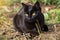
[38,27]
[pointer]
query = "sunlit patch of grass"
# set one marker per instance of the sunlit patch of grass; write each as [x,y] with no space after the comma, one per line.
[53,16]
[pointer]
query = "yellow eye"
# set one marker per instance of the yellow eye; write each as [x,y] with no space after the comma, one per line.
[33,14]
[26,14]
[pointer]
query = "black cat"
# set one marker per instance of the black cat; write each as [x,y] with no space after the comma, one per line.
[25,19]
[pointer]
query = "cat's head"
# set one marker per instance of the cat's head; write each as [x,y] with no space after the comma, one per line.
[30,11]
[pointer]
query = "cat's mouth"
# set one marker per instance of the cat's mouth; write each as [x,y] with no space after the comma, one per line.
[31,21]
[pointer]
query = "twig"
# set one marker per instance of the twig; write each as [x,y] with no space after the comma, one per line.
[38,26]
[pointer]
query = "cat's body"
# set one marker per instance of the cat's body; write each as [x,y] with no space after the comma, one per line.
[25,20]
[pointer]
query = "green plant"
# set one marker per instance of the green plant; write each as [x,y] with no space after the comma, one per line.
[13,2]
[53,16]
[34,1]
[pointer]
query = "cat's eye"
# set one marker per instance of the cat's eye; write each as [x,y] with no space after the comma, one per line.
[33,14]
[26,14]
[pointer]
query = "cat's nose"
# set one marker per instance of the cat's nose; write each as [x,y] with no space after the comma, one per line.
[28,18]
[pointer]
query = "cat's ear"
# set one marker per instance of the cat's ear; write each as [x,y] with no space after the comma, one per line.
[37,4]
[24,5]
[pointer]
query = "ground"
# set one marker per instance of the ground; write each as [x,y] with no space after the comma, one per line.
[7,32]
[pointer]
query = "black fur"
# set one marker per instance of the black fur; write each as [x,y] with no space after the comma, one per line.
[26,24]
